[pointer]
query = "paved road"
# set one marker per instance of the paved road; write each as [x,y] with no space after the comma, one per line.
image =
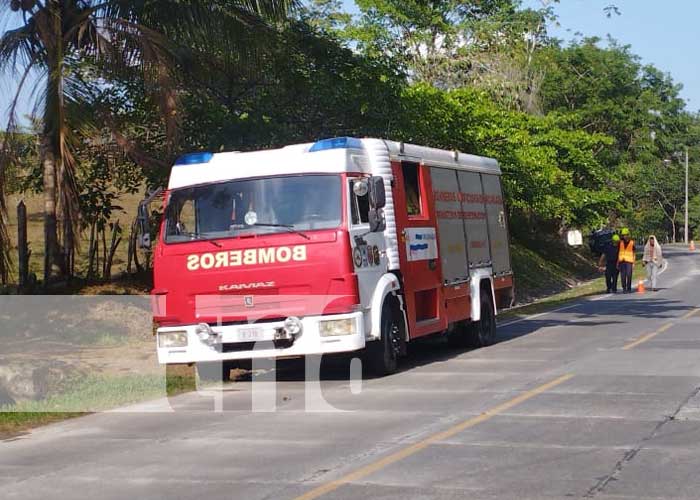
[598,400]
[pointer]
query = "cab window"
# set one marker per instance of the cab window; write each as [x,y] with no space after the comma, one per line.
[186,221]
[359,206]
[411,186]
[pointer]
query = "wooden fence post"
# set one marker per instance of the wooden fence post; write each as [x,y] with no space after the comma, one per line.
[109,258]
[22,245]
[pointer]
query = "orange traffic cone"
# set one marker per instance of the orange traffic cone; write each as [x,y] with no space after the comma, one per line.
[692,246]
[640,287]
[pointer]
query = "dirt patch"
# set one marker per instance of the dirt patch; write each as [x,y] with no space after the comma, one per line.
[47,342]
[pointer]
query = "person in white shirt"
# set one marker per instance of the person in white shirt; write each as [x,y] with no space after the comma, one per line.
[653,260]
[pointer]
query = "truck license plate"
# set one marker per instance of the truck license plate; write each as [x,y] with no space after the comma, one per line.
[250,334]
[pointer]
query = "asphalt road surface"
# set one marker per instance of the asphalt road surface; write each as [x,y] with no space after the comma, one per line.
[596,400]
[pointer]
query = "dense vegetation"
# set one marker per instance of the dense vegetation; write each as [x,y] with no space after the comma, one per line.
[586,134]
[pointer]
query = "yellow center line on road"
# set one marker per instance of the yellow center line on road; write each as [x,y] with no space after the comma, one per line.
[646,337]
[650,336]
[421,445]
[691,313]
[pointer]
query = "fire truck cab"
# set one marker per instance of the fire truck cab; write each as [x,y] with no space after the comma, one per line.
[335,246]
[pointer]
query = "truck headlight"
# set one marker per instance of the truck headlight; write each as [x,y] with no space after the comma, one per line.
[172,339]
[337,327]
[293,325]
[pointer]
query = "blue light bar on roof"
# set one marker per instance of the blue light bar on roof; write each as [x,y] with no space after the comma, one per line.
[194,158]
[336,143]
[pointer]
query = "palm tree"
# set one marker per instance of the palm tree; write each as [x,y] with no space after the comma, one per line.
[55,43]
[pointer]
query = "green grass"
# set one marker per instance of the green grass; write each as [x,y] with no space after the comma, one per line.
[16,422]
[536,276]
[88,395]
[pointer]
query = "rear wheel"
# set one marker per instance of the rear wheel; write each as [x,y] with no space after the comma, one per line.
[485,329]
[382,355]
[461,336]
[481,333]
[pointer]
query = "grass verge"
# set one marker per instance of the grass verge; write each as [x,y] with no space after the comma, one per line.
[88,395]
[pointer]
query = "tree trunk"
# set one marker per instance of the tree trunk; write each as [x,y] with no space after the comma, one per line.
[52,253]
[68,248]
[92,251]
[132,247]
[22,245]
[60,197]
[104,250]
[114,244]
[51,139]
[673,224]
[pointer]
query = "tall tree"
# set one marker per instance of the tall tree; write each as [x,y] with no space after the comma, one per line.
[325,15]
[64,40]
[423,38]
[452,44]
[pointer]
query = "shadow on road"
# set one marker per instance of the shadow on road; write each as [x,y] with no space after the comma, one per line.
[614,310]
[587,314]
[338,367]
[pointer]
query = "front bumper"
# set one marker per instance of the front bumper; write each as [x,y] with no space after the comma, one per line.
[236,341]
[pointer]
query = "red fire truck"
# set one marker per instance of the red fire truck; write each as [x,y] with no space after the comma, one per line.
[335,246]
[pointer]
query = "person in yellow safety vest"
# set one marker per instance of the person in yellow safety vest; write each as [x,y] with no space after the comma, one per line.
[625,260]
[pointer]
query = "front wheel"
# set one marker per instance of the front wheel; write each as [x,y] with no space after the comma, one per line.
[382,355]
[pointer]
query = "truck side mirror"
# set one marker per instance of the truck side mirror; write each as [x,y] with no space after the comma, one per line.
[377,222]
[143,221]
[377,196]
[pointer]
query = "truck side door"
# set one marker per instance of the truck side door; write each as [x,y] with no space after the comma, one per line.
[475,219]
[368,249]
[419,257]
[497,223]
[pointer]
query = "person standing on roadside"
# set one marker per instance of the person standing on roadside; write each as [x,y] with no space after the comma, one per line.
[653,260]
[608,263]
[625,260]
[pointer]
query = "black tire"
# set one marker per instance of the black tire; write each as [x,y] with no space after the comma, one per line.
[485,329]
[214,371]
[382,356]
[461,336]
[472,335]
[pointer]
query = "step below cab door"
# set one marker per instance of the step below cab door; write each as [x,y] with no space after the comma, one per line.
[419,257]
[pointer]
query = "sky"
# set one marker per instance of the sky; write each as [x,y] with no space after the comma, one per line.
[662,33]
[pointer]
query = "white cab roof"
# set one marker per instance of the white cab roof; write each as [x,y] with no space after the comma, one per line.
[340,155]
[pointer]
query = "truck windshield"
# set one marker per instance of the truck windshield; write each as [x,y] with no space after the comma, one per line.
[258,206]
